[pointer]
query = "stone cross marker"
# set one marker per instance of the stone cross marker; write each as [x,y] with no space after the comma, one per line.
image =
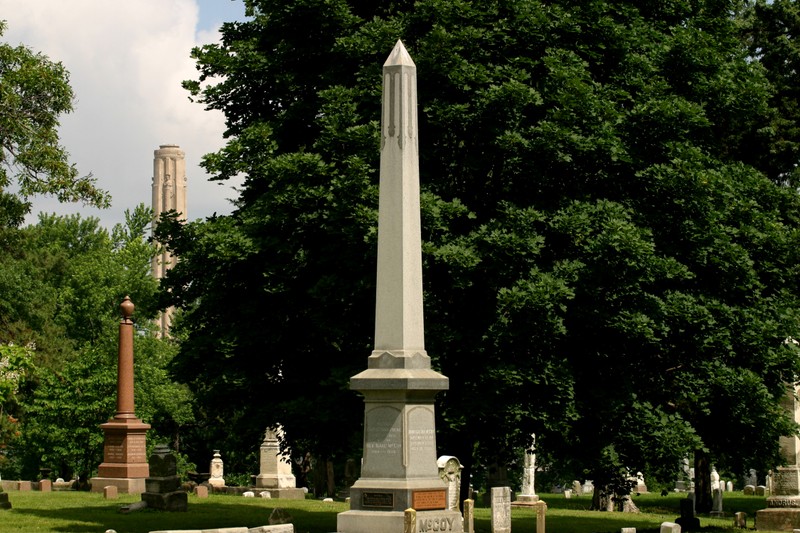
[124,448]
[399,468]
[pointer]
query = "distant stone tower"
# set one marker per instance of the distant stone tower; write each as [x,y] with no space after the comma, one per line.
[169,194]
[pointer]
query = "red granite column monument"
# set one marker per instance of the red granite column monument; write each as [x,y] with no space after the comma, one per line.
[124,449]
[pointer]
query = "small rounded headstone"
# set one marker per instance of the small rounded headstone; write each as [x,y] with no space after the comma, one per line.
[266,495]
[249,494]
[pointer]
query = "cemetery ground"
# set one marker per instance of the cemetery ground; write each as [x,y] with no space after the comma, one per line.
[84,512]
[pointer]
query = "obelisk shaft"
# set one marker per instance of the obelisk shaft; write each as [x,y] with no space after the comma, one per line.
[125,405]
[398,311]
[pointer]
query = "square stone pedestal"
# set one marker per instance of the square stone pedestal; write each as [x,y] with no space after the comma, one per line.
[124,456]
[776,519]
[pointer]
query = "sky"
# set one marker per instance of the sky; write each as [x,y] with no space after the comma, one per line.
[126,62]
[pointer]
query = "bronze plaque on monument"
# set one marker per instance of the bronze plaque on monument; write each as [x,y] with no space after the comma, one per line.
[426,500]
[377,499]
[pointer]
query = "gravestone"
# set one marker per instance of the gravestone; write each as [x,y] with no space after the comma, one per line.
[275,468]
[577,488]
[124,446]
[4,503]
[201,491]
[469,516]
[450,472]
[716,505]
[729,486]
[45,485]
[752,478]
[110,492]
[528,490]
[783,503]
[217,470]
[163,487]
[670,527]
[761,490]
[399,469]
[501,510]
[749,490]
[688,521]
[740,520]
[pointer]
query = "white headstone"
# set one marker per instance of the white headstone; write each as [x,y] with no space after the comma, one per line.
[501,510]
[670,527]
[450,472]
[729,486]
[217,470]
[275,468]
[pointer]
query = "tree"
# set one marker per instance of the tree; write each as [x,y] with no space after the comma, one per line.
[34,92]
[62,285]
[610,258]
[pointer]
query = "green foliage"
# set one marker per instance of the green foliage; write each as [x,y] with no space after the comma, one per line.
[66,278]
[610,244]
[34,93]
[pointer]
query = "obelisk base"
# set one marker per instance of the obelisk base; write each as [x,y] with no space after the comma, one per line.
[125,456]
[394,521]
[525,500]
[127,485]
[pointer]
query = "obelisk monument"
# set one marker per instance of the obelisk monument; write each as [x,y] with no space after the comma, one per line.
[169,194]
[399,469]
[124,448]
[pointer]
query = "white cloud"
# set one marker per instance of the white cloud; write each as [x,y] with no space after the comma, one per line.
[126,63]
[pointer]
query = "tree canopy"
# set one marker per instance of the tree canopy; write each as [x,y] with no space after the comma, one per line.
[34,93]
[610,254]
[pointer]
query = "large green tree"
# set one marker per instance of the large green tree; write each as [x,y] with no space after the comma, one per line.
[610,258]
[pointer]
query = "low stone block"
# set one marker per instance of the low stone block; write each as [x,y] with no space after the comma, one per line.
[266,495]
[177,501]
[201,491]
[249,494]
[45,485]
[110,492]
[162,484]
[670,527]
[740,520]
[25,486]
[628,530]
[281,528]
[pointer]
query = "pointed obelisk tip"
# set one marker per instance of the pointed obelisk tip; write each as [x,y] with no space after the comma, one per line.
[399,56]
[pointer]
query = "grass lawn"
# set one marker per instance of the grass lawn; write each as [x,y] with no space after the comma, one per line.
[83,512]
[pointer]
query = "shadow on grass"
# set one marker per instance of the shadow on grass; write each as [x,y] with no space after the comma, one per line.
[215,512]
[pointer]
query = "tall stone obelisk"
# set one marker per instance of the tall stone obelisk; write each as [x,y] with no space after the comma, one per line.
[399,469]
[124,448]
[169,194]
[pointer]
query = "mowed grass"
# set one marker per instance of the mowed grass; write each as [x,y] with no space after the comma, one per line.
[83,512]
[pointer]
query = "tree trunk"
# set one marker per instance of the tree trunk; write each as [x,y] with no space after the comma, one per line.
[331,482]
[702,482]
